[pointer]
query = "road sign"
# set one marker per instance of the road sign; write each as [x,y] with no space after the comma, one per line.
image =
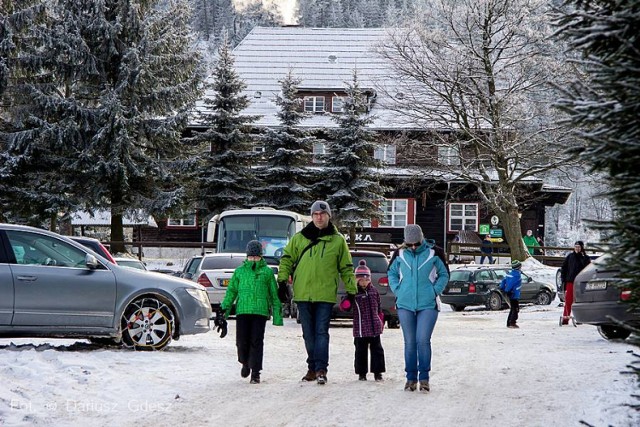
[496,232]
[484,228]
[495,220]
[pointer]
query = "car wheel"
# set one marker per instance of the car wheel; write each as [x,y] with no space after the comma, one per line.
[495,301]
[456,307]
[543,298]
[613,332]
[393,323]
[147,324]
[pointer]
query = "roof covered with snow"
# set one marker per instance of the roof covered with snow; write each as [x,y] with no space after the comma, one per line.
[324,59]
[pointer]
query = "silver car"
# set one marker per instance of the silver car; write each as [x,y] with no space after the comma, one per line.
[51,286]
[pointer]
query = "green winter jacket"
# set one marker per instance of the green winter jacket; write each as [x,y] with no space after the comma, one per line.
[321,267]
[530,242]
[254,291]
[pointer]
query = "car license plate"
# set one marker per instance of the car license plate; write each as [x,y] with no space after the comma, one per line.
[455,290]
[596,285]
[223,282]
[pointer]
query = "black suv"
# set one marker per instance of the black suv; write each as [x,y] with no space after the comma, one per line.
[377,263]
[479,285]
[599,300]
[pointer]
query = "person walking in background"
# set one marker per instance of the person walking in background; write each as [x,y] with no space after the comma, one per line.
[417,276]
[510,285]
[317,257]
[486,249]
[573,264]
[253,290]
[530,242]
[368,323]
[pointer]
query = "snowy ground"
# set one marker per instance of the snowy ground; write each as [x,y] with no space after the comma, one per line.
[483,374]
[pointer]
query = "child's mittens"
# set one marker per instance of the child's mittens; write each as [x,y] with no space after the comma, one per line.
[345,305]
[381,316]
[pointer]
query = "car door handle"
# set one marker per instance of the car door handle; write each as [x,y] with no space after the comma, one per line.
[27,278]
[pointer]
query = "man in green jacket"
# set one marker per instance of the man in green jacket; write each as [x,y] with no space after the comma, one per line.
[316,258]
[530,242]
[253,289]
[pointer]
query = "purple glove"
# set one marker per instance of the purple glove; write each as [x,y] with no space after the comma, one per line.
[381,316]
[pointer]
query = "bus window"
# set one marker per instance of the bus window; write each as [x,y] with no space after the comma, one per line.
[272,230]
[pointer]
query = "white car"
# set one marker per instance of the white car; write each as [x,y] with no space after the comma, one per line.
[214,273]
[131,263]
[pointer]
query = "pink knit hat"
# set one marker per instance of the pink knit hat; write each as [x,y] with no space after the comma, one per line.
[362,269]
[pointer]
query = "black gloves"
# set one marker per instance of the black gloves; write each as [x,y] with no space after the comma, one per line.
[283,292]
[220,323]
[351,298]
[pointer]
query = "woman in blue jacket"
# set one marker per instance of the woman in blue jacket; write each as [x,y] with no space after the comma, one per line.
[417,276]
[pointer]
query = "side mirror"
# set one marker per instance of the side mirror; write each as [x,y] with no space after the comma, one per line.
[91,261]
[187,276]
[529,280]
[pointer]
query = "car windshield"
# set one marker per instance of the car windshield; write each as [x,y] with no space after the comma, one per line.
[215,263]
[462,276]
[377,264]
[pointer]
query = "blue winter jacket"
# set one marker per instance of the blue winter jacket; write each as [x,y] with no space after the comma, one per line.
[417,278]
[511,284]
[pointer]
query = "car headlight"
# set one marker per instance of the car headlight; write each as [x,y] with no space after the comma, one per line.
[199,294]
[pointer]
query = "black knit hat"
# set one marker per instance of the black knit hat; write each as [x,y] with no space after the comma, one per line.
[254,248]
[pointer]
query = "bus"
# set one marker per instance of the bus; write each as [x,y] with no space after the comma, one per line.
[231,230]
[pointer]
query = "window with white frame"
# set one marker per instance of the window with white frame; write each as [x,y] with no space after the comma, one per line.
[319,150]
[448,155]
[463,216]
[337,104]
[395,213]
[185,221]
[314,104]
[385,153]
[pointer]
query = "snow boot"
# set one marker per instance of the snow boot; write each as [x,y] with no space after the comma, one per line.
[424,385]
[309,376]
[255,378]
[321,377]
[244,371]
[377,377]
[410,386]
[362,377]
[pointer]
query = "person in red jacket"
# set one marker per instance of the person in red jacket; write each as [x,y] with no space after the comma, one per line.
[572,265]
[368,321]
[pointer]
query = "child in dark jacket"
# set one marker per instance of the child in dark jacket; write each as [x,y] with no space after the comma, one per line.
[368,321]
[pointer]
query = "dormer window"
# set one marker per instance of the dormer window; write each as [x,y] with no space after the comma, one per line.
[337,104]
[314,104]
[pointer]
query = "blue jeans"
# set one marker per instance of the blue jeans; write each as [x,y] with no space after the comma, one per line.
[315,318]
[417,327]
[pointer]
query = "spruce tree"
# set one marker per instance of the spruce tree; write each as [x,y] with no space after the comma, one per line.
[604,112]
[285,179]
[225,180]
[109,115]
[350,179]
[32,184]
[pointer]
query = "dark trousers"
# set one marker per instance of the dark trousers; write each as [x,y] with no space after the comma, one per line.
[363,346]
[513,312]
[250,340]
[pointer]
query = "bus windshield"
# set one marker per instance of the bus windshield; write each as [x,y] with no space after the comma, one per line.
[273,231]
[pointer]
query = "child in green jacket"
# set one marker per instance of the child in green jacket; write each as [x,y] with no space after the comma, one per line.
[254,291]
